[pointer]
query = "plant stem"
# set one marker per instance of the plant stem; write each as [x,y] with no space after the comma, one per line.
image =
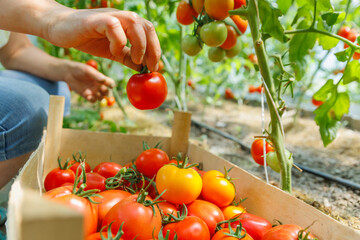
[276,135]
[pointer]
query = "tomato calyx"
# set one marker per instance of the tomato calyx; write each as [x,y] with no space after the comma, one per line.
[147,147]
[109,233]
[305,231]
[183,164]
[66,165]
[147,202]
[238,233]
[161,236]
[125,175]
[144,70]
[171,218]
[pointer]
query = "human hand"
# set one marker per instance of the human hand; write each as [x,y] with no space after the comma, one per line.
[104,33]
[85,80]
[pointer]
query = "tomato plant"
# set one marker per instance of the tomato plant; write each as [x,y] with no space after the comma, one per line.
[287,232]
[147,90]
[150,161]
[58,176]
[107,169]
[257,150]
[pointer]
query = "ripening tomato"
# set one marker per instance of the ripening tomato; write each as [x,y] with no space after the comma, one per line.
[213,34]
[185,14]
[198,5]
[234,51]
[94,181]
[190,228]
[92,63]
[257,151]
[239,3]
[108,199]
[191,45]
[146,90]
[216,54]
[231,211]
[140,221]
[220,235]
[231,38]
[217,188]
[254,225]
[218,10]
[83,206]
[208,212]
[57,177]
[286,232]
[316,102]
[150,161]
[182,185]
[110,101]
[229,94]
[107,169]
[240,23]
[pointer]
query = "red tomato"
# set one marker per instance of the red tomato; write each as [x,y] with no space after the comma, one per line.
[107,169]
[231,38]
[83,206]
[258,89]
[344,31]
[76,165]
[254,225]
[217,189]
[59,191]
[147,90]
[185,14]
[139,221]
[208,212]
[316,102]
[150,161]
[190,228]
[231,211]
[239,3]
[229,94]
[351,37]
[110,101]
[57,177]
[109,199]
[220,235]
[240,23]
[257,151]
[167,208]
[94,181]
[92,63]
[285,232]
[252,89]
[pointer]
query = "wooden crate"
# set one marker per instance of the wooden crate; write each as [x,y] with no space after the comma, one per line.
[32,217]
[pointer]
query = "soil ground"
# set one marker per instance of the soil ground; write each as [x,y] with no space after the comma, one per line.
[340,158]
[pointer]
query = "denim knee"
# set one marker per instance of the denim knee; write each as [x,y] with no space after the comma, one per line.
[23,116]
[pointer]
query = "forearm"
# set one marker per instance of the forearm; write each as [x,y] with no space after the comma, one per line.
[29,16]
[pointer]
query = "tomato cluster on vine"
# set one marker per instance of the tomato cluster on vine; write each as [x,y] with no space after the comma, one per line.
[154,197]
[213,27]
[351,35]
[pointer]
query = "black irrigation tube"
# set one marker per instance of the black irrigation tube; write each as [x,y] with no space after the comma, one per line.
[246,148]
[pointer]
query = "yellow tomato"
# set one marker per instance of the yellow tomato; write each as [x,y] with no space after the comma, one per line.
[231,211]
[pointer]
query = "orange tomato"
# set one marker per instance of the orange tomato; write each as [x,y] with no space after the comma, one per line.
[185,13]
[253,58]
[198,5]
[252,89]
[240,23]
[231,38]
[218,10]
[231,211]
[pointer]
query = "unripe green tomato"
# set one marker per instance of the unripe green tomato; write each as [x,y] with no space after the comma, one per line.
[216,54]
[213,34]
[234,51]
[273,162]
[191,45]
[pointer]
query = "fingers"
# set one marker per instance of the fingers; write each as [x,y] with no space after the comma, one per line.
[125,58]
[153,50]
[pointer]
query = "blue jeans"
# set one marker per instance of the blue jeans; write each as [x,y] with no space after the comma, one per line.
[24,103]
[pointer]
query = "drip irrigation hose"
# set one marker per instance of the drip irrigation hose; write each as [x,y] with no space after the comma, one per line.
[247,148]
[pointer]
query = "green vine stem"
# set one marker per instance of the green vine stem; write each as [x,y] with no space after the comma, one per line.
[276,133]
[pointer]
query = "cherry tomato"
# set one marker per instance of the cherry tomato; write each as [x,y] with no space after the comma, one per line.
[57,177]
[92,63]
[344,32]
[259,89]
[217,188]
[254,225]
[110,101]
[107,169]
[218,10]
[185,14]
[182,185]
[351,37]
[220,235]
[94,181]
[147,90]
[240,23]
[231,38]
[150,161]
[213,34]
[190,228]
[108,199]
[216,54]
[356,55]
[198,5]
[229,94]
[140,221]
[316,102]
[83,206]
[231,211]
[208,212]
[252,89]
[191,84]
[285,232]
[191,45]
[167,208]
[239,3]
[234,51]
[257,151]
[273,162]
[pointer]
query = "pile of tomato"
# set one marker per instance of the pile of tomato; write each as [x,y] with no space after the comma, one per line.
[213,27]
[154,197]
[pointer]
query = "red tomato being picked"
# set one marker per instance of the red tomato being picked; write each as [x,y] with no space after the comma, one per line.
[257,151]
[147,90]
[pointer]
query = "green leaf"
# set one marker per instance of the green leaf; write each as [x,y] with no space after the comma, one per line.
[341,106]
[270,23]
[303,13]
[284,5]
[324,5]
[325,41]
[352,72]
[322,93]
[331,17]
[301,43]
[299,69]
[343,56]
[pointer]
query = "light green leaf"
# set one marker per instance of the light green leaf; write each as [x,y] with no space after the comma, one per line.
[284,5]
[322,93]
[343,56]
[341,106]
[352,72]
